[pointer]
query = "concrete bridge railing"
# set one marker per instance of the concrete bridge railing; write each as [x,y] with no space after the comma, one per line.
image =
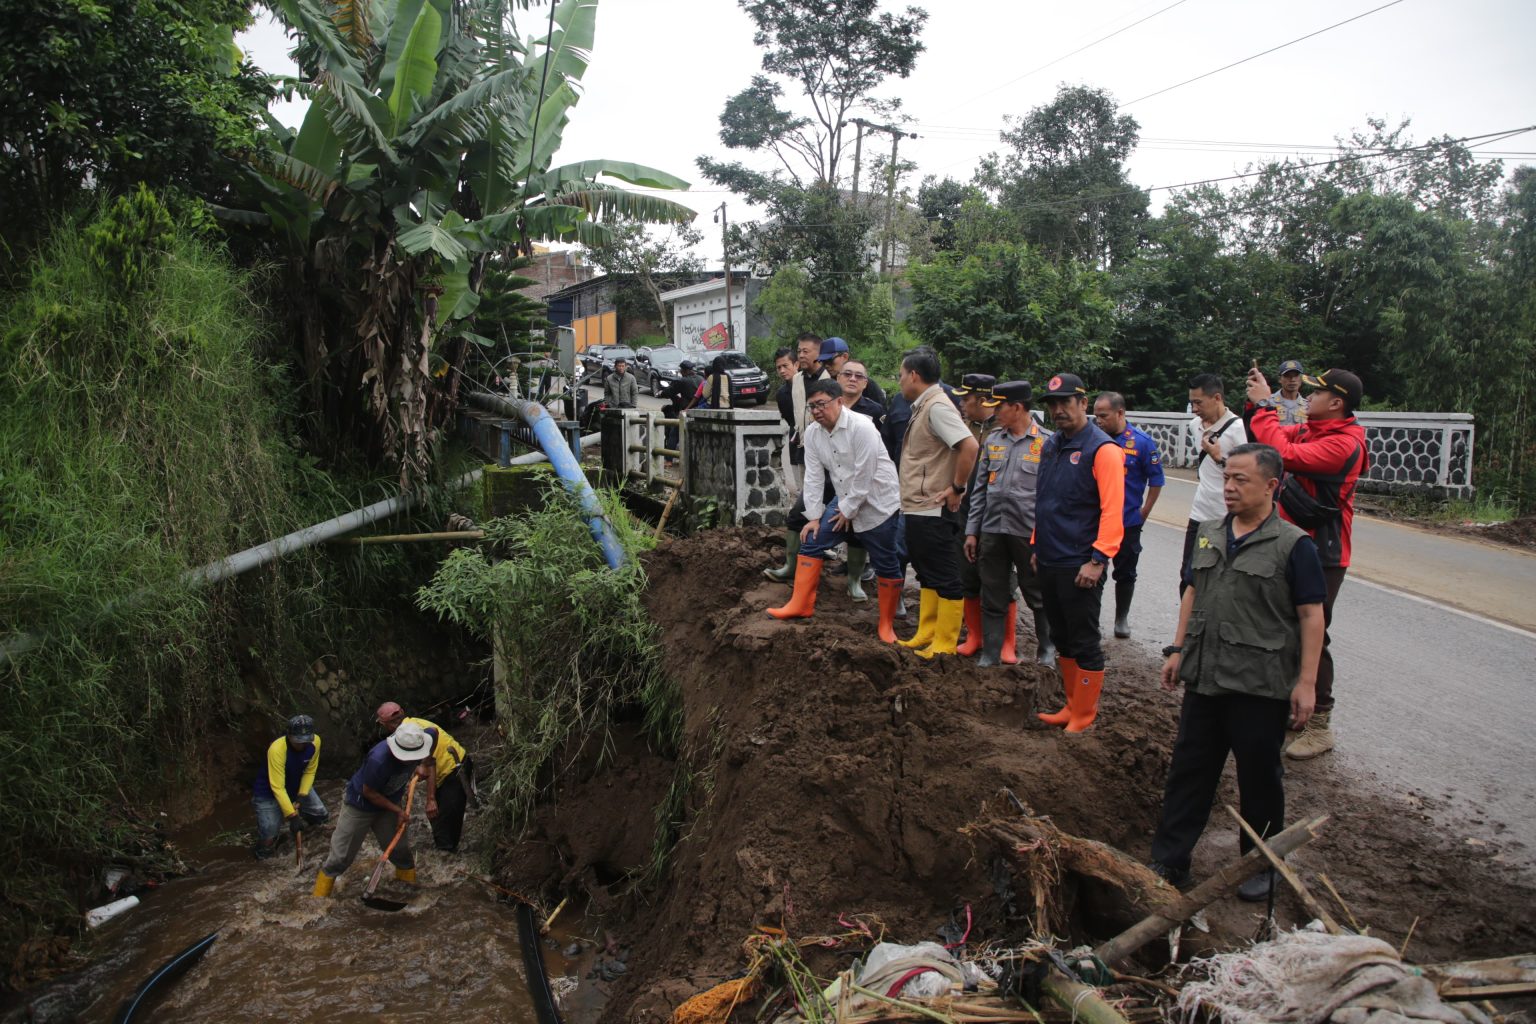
[1411,452]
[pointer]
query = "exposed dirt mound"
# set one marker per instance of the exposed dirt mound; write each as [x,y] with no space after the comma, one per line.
[837,770]
[1519,532]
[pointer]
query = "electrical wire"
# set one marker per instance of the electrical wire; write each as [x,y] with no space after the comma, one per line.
[1077,51]
[1256,56]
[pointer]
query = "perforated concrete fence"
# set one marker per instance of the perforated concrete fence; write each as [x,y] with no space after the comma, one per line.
[1410,452]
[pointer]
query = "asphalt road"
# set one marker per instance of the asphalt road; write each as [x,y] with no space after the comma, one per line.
[1435,661]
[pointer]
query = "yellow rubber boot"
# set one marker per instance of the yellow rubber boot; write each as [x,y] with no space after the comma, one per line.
[407,875]
[972,628]
[927,609]
[1085,706]
[946,631]
[1069,672]
[324,883]
[802,602]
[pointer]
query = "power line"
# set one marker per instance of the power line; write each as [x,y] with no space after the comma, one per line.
[1256,56]
[1077,51]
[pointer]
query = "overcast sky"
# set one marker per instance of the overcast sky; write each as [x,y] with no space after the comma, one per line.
[661,72]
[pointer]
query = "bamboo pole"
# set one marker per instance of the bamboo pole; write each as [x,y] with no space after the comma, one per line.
[1084,1001]
[1119,949]
[1284,870]
[410,538]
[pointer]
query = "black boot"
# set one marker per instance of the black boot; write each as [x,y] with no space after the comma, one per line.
[1045,650]
[993,627]
[1124,589]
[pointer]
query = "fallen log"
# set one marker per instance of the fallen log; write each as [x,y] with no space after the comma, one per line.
[1084,1001]
[1118,949]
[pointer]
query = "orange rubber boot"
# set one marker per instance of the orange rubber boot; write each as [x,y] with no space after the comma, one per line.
[890,597]
[1010,655]
[972,628]
[802,602]
[1086,707]
[1069,672]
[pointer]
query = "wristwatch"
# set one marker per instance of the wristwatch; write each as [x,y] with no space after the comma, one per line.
[1173,649]
[958,489]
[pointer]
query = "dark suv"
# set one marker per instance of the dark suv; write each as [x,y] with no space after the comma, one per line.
[749,385]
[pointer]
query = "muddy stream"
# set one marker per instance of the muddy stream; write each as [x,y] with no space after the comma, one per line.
[283,955]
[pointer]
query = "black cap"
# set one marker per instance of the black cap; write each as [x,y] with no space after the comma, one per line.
[1064,385]
[1291,366]
[974,382]
[686,364]
[1010,391]
[301,728]
[1338,382]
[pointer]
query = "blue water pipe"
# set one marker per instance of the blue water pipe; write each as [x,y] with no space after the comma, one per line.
[558,450]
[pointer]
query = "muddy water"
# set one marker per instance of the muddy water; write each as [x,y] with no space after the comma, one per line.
[282,955]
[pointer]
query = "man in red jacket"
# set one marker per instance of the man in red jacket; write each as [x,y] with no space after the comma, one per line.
[1323,459]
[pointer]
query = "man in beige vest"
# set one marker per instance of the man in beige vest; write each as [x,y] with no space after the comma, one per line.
[937,457]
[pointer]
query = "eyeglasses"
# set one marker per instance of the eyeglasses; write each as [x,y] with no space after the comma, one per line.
[818,406]
[853,375]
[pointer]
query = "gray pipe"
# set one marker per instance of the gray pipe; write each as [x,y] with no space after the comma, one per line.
[261,554]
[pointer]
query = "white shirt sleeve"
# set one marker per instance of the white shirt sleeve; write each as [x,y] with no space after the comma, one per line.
[867,449]
[815,474]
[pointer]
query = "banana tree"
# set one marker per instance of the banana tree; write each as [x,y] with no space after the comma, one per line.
[428,144]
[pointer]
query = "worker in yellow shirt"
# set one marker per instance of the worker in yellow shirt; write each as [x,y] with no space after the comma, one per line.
[285,786]
[450,776]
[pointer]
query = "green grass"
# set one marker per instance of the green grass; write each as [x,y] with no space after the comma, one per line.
[575,641]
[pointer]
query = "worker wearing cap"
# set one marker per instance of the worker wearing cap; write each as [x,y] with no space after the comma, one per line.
[449,775]
[974,393]
[1003,494]
[285,787]
[1290,408]
[373,804]
[1323,460]
[1078,528]
[1143,483]
[937,456]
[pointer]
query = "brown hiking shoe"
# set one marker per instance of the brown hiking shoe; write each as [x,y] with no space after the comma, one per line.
[1316,739]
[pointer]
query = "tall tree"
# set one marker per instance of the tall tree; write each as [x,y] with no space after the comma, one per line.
[103,94]
[1063,177]
[427,146]
[1008,310]
[646,263]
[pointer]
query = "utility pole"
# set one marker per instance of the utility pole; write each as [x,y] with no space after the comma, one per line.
[858,148]
[725,251]
[887,242]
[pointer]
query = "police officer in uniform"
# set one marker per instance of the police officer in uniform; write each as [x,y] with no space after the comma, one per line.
[1002,517]
[974,392]
[1078,527]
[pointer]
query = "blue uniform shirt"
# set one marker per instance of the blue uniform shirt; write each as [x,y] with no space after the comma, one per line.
[1143,467]
[383,772]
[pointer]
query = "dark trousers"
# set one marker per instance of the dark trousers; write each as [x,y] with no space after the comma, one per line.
[1129,556]
[1190,532]
[970,572]
[1003,559]
[1252,730]
[1073,613]
[932,551]
[452,799]
[1334,577]
[883,543]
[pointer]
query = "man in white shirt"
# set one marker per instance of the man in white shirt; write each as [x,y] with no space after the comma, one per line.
[1214,432]
[845,447]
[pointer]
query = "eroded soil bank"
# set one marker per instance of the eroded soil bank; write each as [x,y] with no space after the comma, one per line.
[833,773]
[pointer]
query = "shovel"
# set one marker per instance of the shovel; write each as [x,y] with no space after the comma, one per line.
[379,902]
[298,851]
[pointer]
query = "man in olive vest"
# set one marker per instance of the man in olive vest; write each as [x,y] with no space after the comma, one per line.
[937,457]
[1247,645]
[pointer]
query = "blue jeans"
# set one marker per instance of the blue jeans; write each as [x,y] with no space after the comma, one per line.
[269,816]
[884,543]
